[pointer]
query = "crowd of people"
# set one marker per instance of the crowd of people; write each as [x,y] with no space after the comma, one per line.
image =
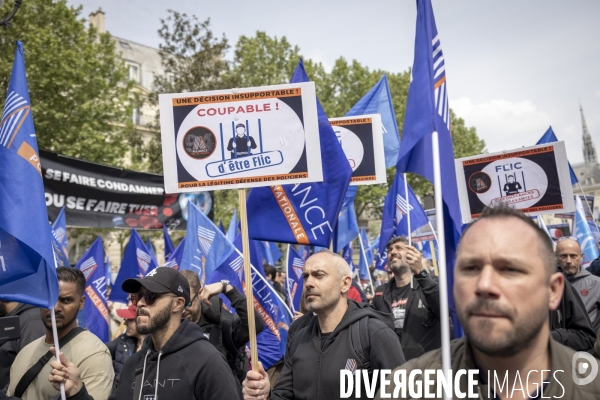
[524,304]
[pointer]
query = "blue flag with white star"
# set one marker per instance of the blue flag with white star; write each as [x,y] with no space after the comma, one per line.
[26,256]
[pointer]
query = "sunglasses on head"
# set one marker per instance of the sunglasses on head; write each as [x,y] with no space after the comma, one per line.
[562,238]
[149,297]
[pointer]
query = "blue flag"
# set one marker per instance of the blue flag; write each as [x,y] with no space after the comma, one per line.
[346,229]
[312,207]
[427,111]
[174,260]
[303,251]
[295,281]
[363,265]
[95,308]
[273,311]
[232,231]
[269,252]
[169,248]
[206,247]
[150,248]
[394,220]
[347,254]
[367,246]
[584,235]
[222,228]
[26,257]
[60,240]
[136,263]
[550,137]
[379,101]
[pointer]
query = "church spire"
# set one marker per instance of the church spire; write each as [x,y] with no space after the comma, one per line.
[589,151]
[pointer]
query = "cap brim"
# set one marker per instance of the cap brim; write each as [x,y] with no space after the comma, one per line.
[126,313]
[133,285]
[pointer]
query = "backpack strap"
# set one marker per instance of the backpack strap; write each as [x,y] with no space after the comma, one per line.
[37,367]
[361,342]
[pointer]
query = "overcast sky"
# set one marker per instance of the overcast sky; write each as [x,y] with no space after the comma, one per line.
[514,67]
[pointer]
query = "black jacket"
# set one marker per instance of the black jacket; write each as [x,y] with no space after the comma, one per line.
[188,367]
[422,332]
[31,326]
[229,332]
[570,324]
[121,349]
[312,370]
[594,267]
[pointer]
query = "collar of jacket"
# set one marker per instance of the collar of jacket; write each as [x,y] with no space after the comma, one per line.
[558,380]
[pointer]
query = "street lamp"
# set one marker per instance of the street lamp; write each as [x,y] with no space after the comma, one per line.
[8,19]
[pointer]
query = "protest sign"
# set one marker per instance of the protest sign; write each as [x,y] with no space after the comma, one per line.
[99,196]
[361,139]
[533,179]
[239,138]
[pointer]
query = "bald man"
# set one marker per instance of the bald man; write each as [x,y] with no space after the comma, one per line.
[569,255]
[326,347]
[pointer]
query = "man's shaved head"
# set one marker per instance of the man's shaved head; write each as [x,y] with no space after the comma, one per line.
[337,261]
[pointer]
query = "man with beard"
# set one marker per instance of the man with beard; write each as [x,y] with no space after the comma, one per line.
[176,361]
[226,331]
[505,283]
[412,296]
[31,328]
[323,344]
[84,349]
[569,256]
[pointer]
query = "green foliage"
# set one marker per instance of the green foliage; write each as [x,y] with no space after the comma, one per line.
[79,88]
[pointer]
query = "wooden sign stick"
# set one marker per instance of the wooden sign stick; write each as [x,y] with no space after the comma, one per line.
[248,276]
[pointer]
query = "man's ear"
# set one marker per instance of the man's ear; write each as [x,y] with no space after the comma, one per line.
[346,283]
[556,288]
[178,305]
[81,303]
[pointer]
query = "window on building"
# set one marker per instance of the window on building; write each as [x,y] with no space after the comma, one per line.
[134,73]
[136,116]
[125,45]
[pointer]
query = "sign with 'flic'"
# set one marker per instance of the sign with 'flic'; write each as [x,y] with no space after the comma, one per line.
[361,138]
[240,138]
[533,179]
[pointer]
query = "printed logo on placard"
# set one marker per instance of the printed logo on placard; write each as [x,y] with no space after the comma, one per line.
[480,182]
[199,142]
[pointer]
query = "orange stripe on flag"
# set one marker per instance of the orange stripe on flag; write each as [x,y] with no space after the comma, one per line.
[290,214]
[440,82]
[31,156]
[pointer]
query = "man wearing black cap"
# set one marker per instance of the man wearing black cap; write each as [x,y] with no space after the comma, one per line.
[176,362]
[240,147]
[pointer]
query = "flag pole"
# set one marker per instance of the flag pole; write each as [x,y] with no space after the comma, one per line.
[434,258]
[63,396]
[248,276]
[588,206]
[407,209]
[287,275]
[443,280]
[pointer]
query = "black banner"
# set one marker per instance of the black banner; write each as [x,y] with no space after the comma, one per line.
[99,196]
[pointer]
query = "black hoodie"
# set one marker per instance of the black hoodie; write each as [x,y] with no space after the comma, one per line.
[311,369]
[188,367]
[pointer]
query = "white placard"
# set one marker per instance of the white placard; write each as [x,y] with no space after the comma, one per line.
[239,138]
[361,138]
[532,179]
